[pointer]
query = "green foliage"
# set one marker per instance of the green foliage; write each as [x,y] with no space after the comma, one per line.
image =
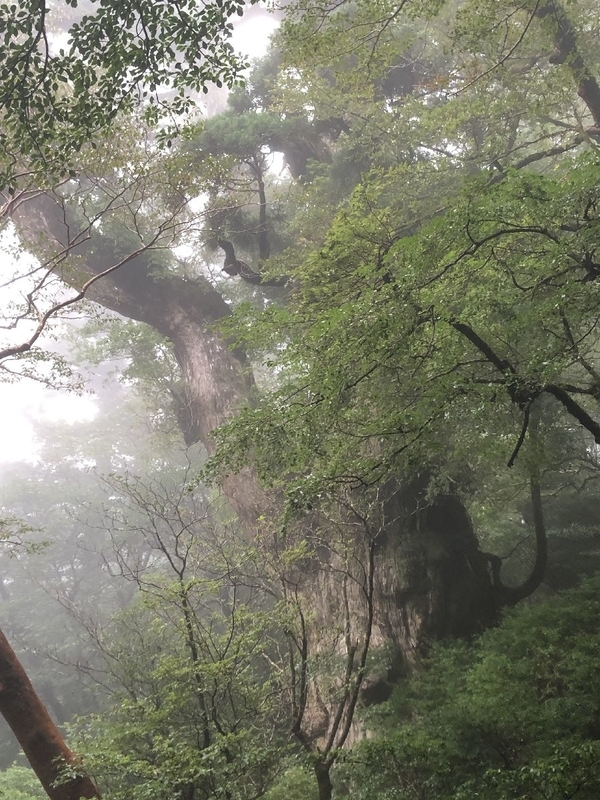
[391,340]
[17,538]
[441,233]
[75,524]
[514,716]
[241,135]
[441,287]
[297,783]
[116,57]
[146,362]
[198,708]
[20,783]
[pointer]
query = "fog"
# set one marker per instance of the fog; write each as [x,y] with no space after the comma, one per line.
[300,480]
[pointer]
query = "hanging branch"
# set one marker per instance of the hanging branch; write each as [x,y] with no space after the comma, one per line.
[511,595]
[521,439]
[575,410]
[523,394]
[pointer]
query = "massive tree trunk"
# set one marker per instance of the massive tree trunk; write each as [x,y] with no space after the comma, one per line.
[432,579]
[215,378]
[39,737]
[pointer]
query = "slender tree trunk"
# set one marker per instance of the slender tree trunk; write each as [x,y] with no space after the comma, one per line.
[39,737]
[323,775]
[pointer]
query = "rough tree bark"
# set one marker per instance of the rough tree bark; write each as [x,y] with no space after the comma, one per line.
[434,581]
[437,581]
